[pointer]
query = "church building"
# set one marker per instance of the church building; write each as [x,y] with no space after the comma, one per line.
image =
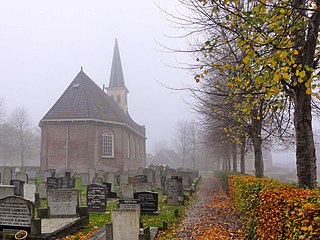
[88,128]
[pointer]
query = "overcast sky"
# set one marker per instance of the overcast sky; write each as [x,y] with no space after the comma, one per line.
[43,44]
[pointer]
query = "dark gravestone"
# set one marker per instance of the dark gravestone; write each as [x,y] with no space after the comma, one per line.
[67,174]
[96,198]
[18,187]
[111,195]
[107,186]
[148,201]
[66,182]
[52,183]
[16,213]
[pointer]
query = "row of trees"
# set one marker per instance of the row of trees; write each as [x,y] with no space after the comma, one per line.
[19,140]
[257,64]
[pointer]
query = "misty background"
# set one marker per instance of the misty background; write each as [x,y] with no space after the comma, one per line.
[44,44]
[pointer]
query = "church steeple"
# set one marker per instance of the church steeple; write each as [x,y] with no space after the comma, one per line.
[117,89]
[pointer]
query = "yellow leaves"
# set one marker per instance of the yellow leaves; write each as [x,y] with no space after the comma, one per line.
[295,52]
[246,60]
[304,228]
[283,55]
[286,75]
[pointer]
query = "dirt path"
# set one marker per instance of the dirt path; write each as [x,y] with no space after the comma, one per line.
[211,216]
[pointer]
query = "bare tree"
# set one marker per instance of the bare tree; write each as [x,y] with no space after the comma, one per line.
[19,133]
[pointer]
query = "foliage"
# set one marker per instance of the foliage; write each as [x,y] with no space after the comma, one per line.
[244,192]
[224,177]
[288,213]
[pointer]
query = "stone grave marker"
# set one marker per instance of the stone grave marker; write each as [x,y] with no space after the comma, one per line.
[141,187]
[150,176]
[142,178]
[112,195]
[32,175]
[52,183]
[6,176]
[92,174]
[6,191]
[66,182]
[29,191]
[48,173]
[126,191]
[172,192]
[109,177]
[108,186]
[124,178]
[125,224]
[132,204]
[85,178]
[18,187]
[148,201]
[42,190]
[157,176]
[97,180]
[96,198]
[22,176]
[62,202]
[16,213]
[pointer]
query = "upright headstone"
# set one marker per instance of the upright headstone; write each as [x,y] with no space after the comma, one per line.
[148,201]
[172,192]
[52,183]
[6,176]
[85,178]
[109,177]
[18,187]
[132,204]
[63,202]
[29,191]
[22,176]
[97,180]
[124,178]
[66,182]
[126,191]
[32,174]
[6,191]
[150,176]
[125,224]
[92,174]
[96,198]
[48,173]
[141,187]
[42,190]
[108,186]
[157,176]
[16,213]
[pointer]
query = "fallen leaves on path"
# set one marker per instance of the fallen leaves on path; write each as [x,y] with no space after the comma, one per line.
[211,216]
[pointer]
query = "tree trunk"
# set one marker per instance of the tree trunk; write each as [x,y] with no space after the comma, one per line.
[305,149]
[258,159]
[234,157]
[242,159]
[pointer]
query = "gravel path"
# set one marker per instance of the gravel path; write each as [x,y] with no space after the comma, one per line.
[211,215]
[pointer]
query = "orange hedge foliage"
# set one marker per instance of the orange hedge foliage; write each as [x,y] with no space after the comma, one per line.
[273,210]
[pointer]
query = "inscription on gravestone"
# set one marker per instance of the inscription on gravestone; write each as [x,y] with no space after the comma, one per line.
[62,202]
[15,213]
[148,201]
[129,204]
[96,198]
[52,183]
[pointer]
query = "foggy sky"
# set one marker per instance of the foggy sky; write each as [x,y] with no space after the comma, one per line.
[44,44]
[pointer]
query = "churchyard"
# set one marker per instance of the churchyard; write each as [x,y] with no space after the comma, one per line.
[130,205]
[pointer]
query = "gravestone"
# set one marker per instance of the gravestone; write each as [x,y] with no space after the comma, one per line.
[163,185]
[92,174]
[126,191]
[66,182]
[108,186]
[124,178]
[187,179]
[6,191]
[85,178]
[32,175]
[157,177]
[96,198]
[29,191]
[16,213]
[42,190]
[150,176]
[112,195]
[97,180]
[18,187]
[6,176]
[148,201]
[142,178]
[22,176]
[132,204]
[109,177]
[48,173]
[172,192]
[125,224]
[141,187]
[62,202]
[52,183]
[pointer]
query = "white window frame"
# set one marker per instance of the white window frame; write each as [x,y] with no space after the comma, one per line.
[107,144]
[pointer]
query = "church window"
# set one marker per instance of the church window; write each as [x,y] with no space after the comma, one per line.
[134,149]
[107,144]
[118,99]
[128,146]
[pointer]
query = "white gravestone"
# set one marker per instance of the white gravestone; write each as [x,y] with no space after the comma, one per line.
[63,202]
[125,224]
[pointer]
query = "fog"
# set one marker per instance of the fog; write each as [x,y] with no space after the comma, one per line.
[45,43]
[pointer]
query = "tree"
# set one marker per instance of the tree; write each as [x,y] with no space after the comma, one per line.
[182,140]
[19,133]
[277,44]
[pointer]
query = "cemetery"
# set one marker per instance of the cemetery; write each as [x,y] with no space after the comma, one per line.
[53,206]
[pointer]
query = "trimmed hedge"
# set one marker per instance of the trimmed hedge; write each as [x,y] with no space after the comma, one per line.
[274,210]
[223,176]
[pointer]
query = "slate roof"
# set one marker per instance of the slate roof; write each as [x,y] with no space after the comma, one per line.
[84,100]
[166,157]
[116,75]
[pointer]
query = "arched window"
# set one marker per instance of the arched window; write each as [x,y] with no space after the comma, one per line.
[129,149]
[107,144]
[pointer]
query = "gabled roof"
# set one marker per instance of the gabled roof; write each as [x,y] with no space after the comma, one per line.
[116,75]
[166,157]
[84,100]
